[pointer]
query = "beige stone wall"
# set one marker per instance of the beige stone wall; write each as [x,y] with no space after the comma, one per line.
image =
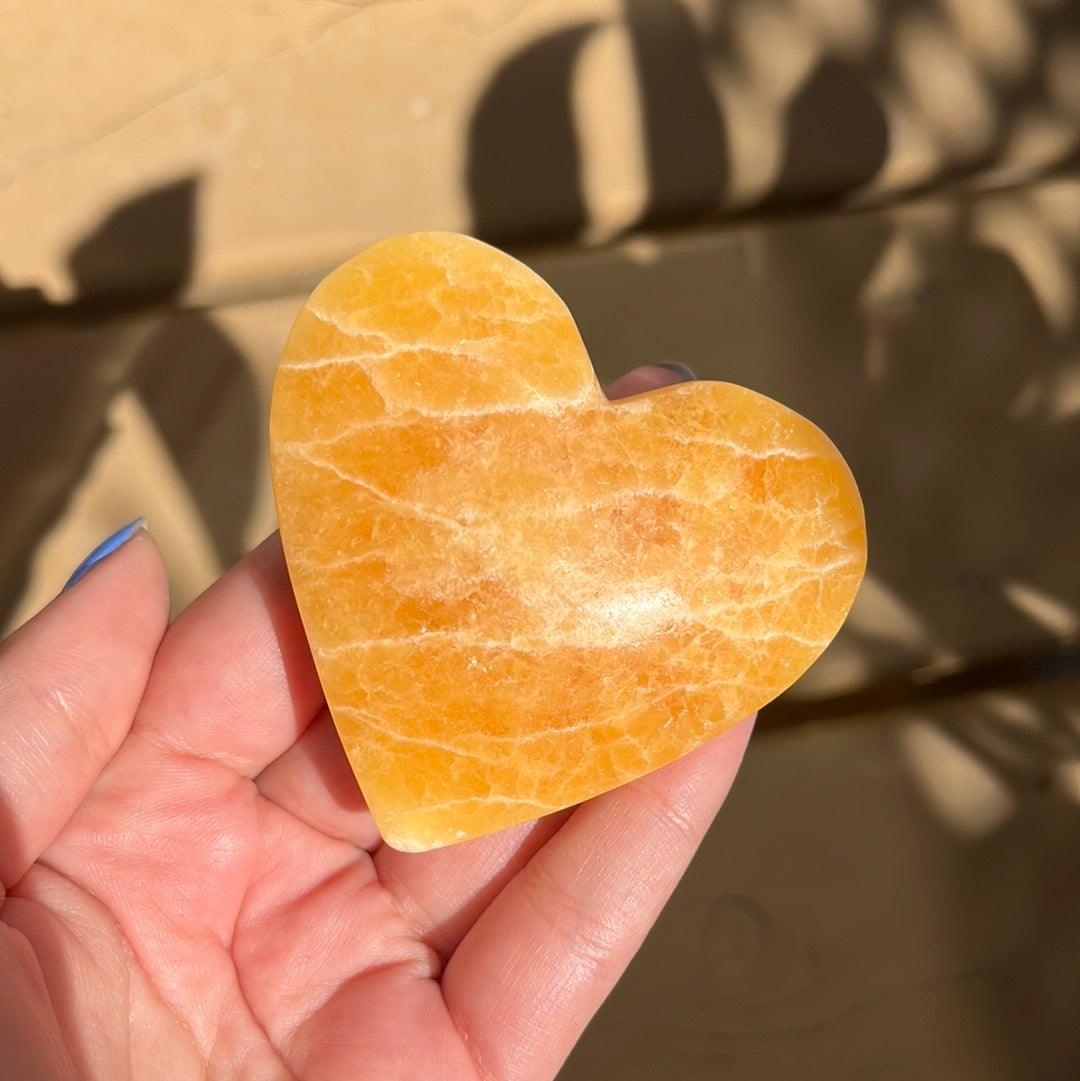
[290,133]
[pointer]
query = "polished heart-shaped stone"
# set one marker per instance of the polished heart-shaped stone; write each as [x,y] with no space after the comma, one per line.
[518,594]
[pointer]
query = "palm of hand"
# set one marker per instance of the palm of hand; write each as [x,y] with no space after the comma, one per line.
[219,895]
[190,884]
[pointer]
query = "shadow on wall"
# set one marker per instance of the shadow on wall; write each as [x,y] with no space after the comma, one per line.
[184,370]
[524,173]
[836,138]
[938,346]
[949,376]
[523,165]
[846,930]
[998,772]
[685,139]
[781,106]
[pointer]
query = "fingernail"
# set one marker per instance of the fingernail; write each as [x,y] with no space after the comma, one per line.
[683,371]
[105,548]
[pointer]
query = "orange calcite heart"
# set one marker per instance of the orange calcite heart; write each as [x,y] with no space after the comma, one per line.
[518,594]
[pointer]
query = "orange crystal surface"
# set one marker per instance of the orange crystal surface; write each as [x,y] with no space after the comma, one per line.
[518,594]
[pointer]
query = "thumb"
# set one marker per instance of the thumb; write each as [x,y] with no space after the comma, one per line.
[70,681]
[649,377]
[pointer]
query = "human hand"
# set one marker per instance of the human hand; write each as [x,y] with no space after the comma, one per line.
[191,886]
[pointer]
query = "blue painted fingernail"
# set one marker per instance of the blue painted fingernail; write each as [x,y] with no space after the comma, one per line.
[105,548]
[683,371]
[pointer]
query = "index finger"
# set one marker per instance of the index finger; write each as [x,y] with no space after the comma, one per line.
[70,681]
